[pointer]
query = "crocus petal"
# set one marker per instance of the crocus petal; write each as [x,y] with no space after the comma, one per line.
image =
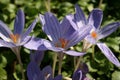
[26,40]
[66,28]
[37,57]
[95,18]
[4,37]
[52,47]
[107,30]
[1,45]
[108,53]
[74,53]
[51,26]
[7,44]
[35,44]
[4,30]
[42,19]
[30,28]
[33,72]
[59,77]
[79,16]
[78,35]
[72,21]
[19,22]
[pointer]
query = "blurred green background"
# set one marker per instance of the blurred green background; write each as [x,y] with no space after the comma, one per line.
[99,67]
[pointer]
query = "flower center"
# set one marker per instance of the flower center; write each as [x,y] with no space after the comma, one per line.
[63,42]
[94,34]
[14,37]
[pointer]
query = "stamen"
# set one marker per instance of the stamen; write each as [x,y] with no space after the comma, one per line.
[63,42]
[14,37]
[94,34]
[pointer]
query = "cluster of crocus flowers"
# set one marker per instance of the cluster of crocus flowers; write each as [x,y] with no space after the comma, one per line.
[35,73]
[62,35]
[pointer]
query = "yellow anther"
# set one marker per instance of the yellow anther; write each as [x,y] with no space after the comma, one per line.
[14,37]
[94,34]
[63,42]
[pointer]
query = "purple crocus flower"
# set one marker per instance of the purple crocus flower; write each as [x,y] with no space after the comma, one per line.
[61,35]
[35,73]
[80,73]
[18,37]
[96,33]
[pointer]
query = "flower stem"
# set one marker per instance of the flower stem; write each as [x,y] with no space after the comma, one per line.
[100,3]
[86,45]
[75,61]
[93,50]
[47,5]
[60,62]
[78,63]
[16,50]
[54,64]
[21,65]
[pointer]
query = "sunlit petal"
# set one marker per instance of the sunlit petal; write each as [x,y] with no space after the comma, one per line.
[4,37]
[4,30]
[79,16]
[51,26]
[6,44]
[108,29]
[66,29]
[30,28]
[72,21]
[108,53]
[74,53]
[35,44]
[19,22]
[95,18]
[79,35]
[25,40]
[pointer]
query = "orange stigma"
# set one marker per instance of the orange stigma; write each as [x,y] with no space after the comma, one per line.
[63,42]
[94,34]
[14,37]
